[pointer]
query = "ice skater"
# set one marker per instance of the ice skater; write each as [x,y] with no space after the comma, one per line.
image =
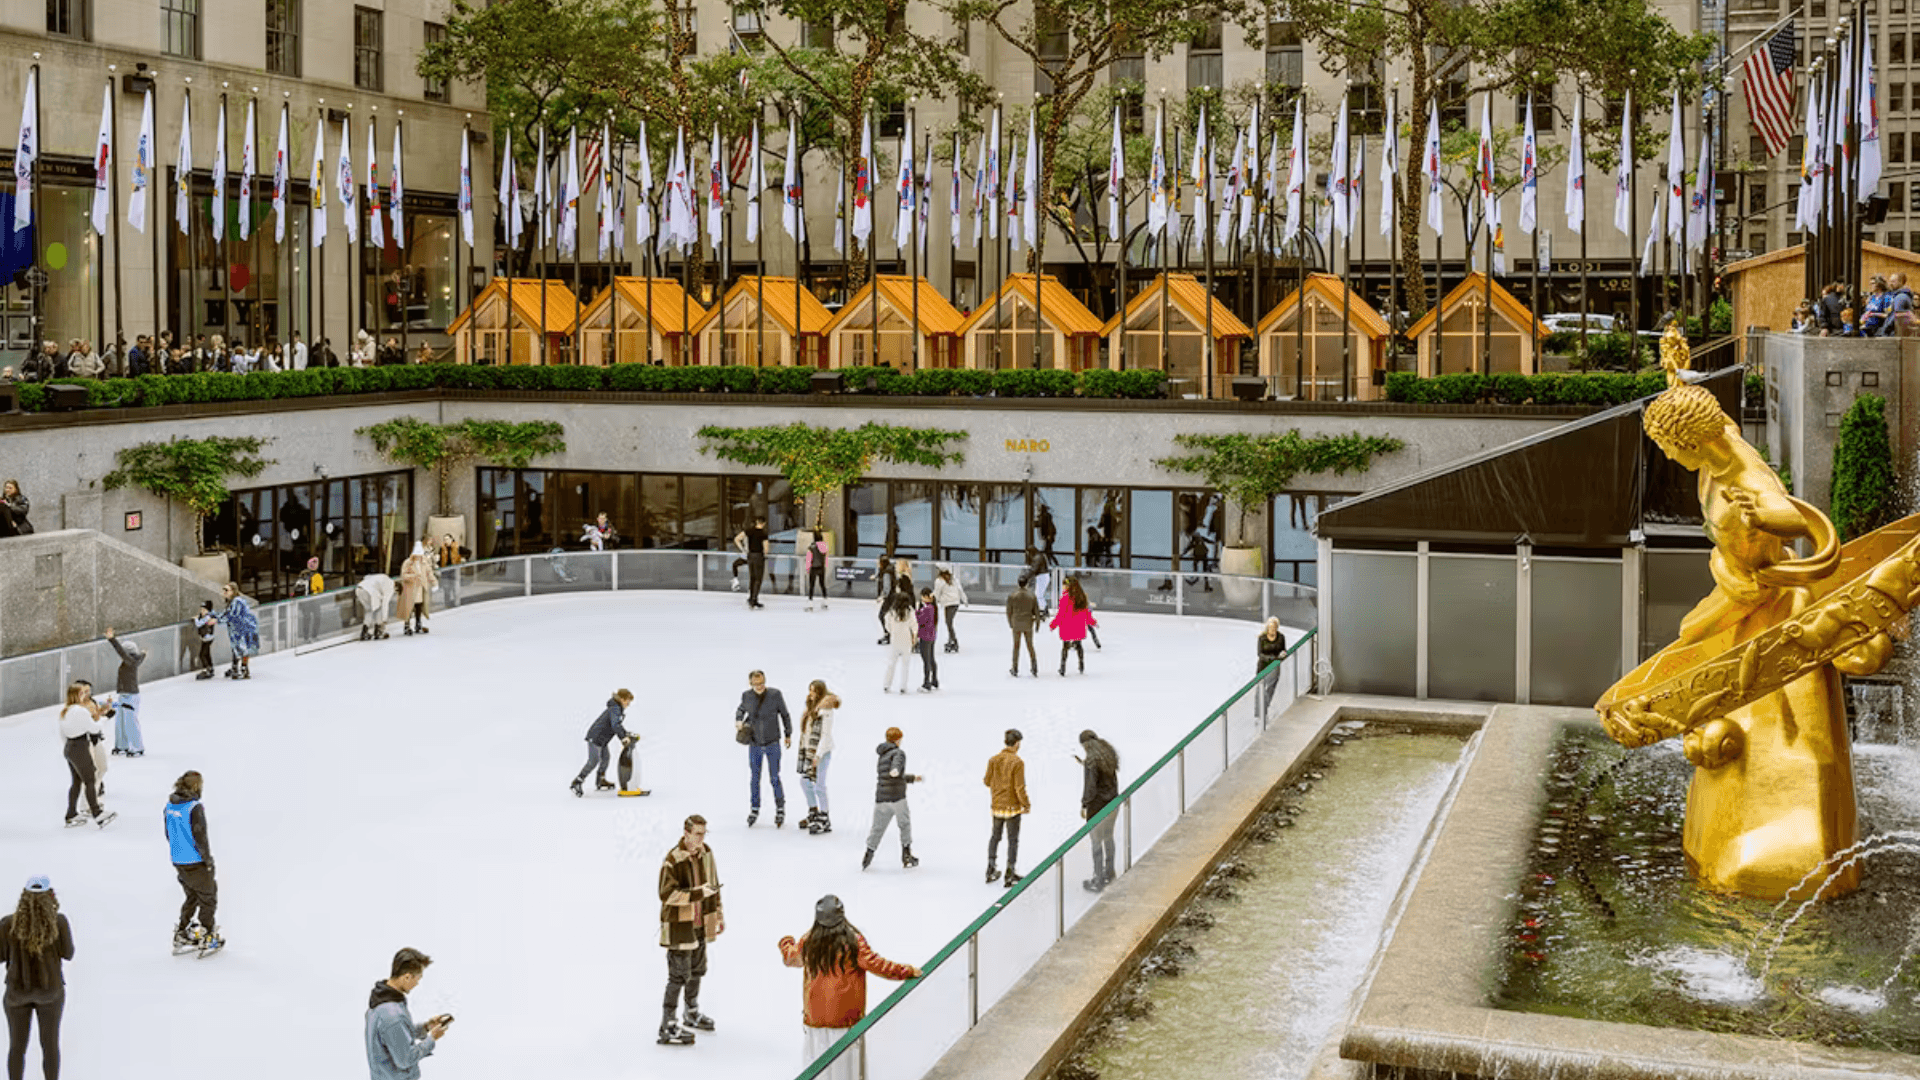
[1273,650]
[815,754]
[1007,780]
[903,634]
[833,993]
[80,728]
[193,866]
[927,634]
[1023,614]
[890,799]
[762,717]
[203,627]
[752,543]
[1099,786]
[951,596]
[126,692]
[609,724]
[813,559]
[1040,569]
[395,1044]
[417,579]
[34,941]
[243,631]
[374,592]
[1074,620]
[690,917]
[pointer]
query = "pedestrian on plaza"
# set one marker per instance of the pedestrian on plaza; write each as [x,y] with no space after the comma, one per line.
[1099,786]
[243,631]
[610,723]
[203,625]
[1879,305]
[890,799]
[126,689]
[1006,780]
[833,993]
[417,579]
[192,866]
[813,560]
[395,1044]
[927,615]
[950,595]
[763,724]
[297,354]
[1073,621]
[80,729]
[903,635]
[1023,614]
[14,507]
[815,754]
[690,917]
[1900,314]
[34,942]
[752,544]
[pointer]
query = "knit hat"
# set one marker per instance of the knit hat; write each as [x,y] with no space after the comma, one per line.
[39,883]
[829,912]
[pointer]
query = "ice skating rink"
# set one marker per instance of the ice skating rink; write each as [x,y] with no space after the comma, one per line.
[414,792]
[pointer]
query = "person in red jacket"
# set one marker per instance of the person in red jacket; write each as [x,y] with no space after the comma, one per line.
[833,994]
[1073,620]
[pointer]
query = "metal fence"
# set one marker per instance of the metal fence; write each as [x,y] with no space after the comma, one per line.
[37,680]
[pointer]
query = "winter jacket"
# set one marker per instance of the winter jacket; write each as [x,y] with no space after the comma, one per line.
[902,632]
[690,914]
[1071,621]
[928,616]
[1272,650]
[416,577]
[1099,784]
[78,721]
[243,629]
[1007,779]
[186,822]
[33,976]
[838,999]
[395,1044]
[816,738]
[18,506]
[127,681]
[766,715]
[948,593]
[1023,611]
[85,366]
[812,553]
[891,778]
[609,723]
[204,623]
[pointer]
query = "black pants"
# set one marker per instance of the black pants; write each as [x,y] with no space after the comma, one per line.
[1078,650]
[196,880]
[1012,827]
[19,1019]
[80,766]
[817,573]
[597,755]
[1033,662]
[205,662]
[929,668]
[685,969]
[756,569]
[952,638]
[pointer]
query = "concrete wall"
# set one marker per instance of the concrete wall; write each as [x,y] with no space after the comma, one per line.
[60,464]
[1812,381]
[64,586]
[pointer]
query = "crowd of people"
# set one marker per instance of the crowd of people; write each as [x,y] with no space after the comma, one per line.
[1886,309]
[161,354]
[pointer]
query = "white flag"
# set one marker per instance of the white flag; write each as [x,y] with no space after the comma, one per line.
[103,165]
[1653,234]
[1623,175]
[317,184]
[992,181]
[716,193]
[143,169]
[1201,173]
[396,209]
[508,195]
[220,176]
[1157,188]
[756,182]
[1700,205]
[1338,184]
[1030,215]
[1013,195]
[1676,174]
[376,220]
[281,178]
[183,167]
[903,190]
[349,189]
[1806,212]
[542,195]
[954,213]
[643,209]
[791,212]
[980,189]
[570,195]
[926,196]
[249,165]
[840,211]
[1264,230]
[1430,168]
[1869,121]
[1296,174]
[1389,178]
[1116,174]
[466,187]
[863,184]
[609,223]
[1529,174]
[1356,183]
[1576,204]
[27,151]
[672,193]
[1490,202]
[1230,196]
[686,224]
[1546,253]
[1250,179]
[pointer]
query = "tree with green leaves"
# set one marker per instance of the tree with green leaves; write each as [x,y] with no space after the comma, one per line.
[439,448]
[1863,485]
[194,471]
[817,461]
[1251,470]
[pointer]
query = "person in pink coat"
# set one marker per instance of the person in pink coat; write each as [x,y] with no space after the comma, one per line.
[1073,619]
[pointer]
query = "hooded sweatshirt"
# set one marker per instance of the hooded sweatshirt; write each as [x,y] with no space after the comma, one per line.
[892,776]
[608,724]
[127,681]
[395,1044]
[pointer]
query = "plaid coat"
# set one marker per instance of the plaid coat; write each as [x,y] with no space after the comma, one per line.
[687,921]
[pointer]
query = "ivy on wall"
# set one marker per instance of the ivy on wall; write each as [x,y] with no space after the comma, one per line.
[1251,469]
[821,460]
[194,471]
[439,448]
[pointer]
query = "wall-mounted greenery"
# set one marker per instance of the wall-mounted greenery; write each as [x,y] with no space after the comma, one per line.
[1863,487]
[1251,469]
[820,460]
[193,471]
[440,448]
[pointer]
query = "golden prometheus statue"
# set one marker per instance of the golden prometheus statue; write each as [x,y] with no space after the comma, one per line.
[1753,685]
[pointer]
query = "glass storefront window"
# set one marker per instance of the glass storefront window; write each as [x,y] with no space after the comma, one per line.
[1202,519]
[411,288]
[869,530]
[496,488]
[1005,510]
[701,523]
[536,526]
[960,522]
[355,525]
[1053,533]
[659,512]
[1150,534]
[68,255]
[912,518]
[1295,552]
[578,498]
[1102,526]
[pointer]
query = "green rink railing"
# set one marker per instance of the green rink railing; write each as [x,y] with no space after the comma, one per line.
[920,1021]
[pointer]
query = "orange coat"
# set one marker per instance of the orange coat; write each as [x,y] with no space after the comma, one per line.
[839,999]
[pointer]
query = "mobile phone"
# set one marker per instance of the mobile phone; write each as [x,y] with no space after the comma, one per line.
[445,1019]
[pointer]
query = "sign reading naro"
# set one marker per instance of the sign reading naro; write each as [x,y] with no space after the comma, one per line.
[1028,446]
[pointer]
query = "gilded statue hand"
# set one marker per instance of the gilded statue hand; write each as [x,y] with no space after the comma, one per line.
[1867,657]
[1630,724]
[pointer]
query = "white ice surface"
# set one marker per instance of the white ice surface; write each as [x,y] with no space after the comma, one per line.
[414,792]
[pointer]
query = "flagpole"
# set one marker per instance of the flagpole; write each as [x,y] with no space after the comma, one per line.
[396,227]
[1166,268]
[1533,284]
[113,216]
[254,337]
[579,206]
[155,200]
[287,247]
[1206,239]
[1120,260]
[1586,298]
[220,268]
[873,262]
[318,327]
[953,241]
[1346,258]
[33,208]
[543,194]
[760,253]
[1632,166]
[913,183]
[1002,255]
[466,141]
[799,230]
[1393,228]
[1486,305]
[1259,232]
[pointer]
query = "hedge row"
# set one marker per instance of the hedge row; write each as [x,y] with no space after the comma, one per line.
[260,386]
[1511,388]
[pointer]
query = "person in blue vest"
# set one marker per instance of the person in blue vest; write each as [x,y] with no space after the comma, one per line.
[192,864]
[605,726]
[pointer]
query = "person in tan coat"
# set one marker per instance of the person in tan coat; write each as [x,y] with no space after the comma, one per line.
[417,578]
[1007,780]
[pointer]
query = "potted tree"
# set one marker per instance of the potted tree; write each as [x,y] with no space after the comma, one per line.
[1250,470]
[440,448]
[193,471]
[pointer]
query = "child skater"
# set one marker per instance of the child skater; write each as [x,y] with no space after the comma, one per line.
[203,625]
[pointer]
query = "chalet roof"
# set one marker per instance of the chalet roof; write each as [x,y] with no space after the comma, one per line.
[563,308]
[1472,285]
[780,294]
[1186,293]
[1059,308]
[1334,292]
[937,316]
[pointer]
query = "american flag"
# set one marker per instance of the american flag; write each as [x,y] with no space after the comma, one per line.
[741,157]
[592,171]
[1767,77]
